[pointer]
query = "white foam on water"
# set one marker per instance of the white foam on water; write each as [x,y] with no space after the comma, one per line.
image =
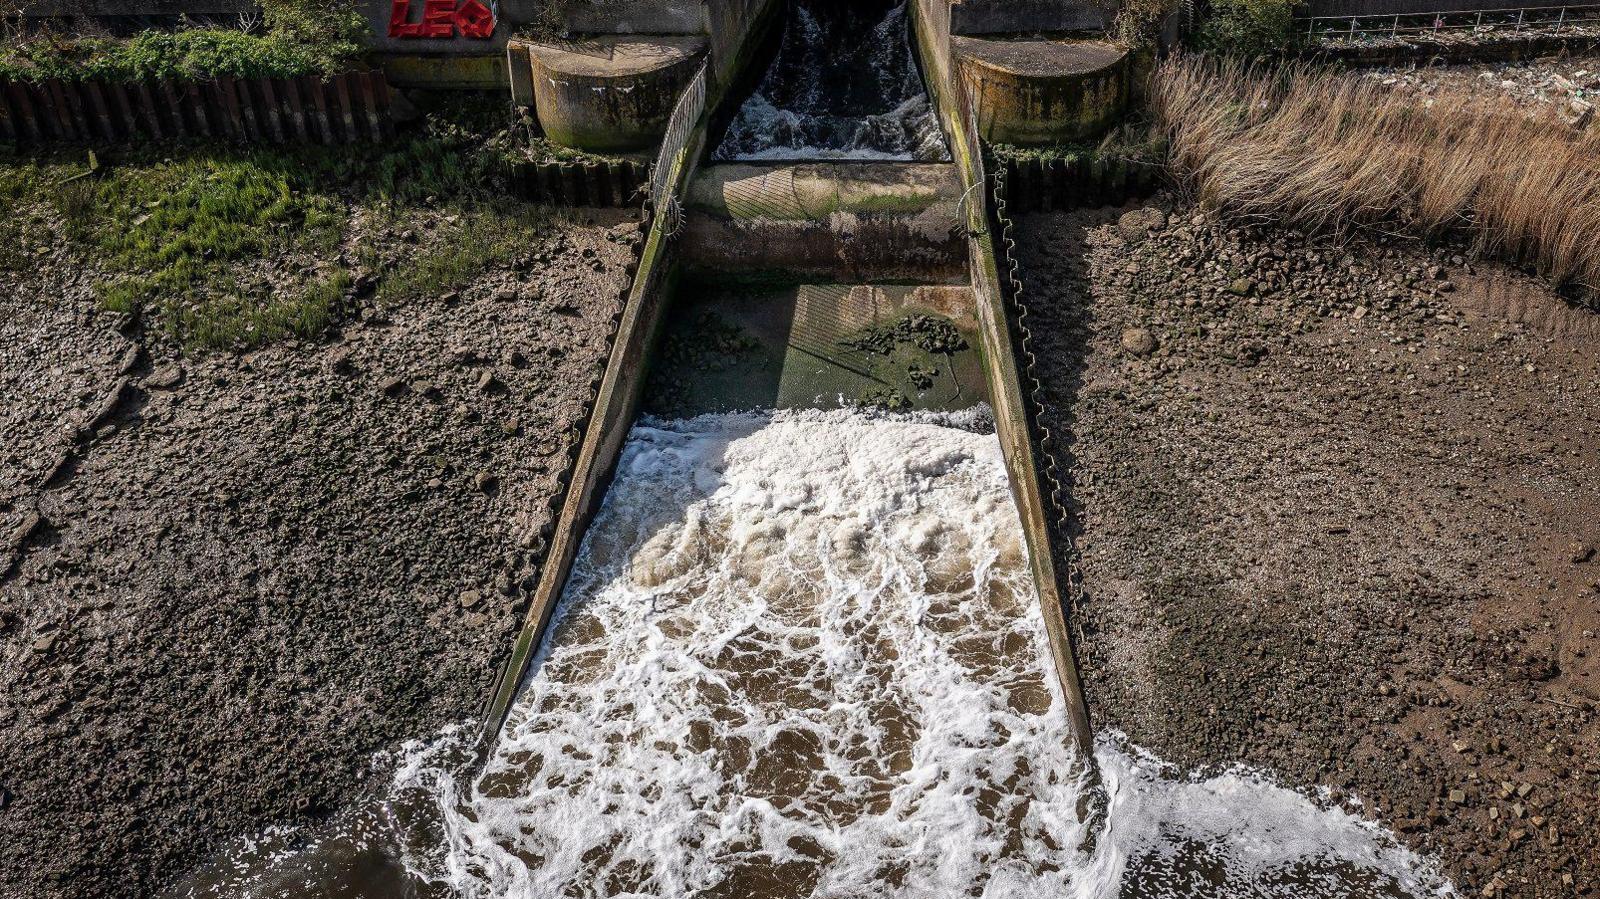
[1257,838]
[801,655]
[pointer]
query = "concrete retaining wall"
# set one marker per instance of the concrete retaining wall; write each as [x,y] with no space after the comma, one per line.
[608,93]
[1400,7]
[442,27]
[729,26]
[640,17]
[726,24]
[1028,16]
[931,22]
[1042,92]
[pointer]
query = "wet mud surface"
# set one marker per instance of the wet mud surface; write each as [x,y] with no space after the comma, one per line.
[226,580]
[1335,514]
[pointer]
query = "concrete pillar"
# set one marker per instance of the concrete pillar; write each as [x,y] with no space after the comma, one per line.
[611,93]
[1044,91]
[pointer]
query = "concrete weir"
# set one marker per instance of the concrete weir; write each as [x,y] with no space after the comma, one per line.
[609,85]
[1036,91]
[840,221]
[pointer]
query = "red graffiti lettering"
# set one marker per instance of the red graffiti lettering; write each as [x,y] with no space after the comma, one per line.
[475,20]
[441,19]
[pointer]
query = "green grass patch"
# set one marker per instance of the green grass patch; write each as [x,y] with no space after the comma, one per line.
[484,236]
[180,233]
[22,227]
[302,37]
[232,322]
[226,248]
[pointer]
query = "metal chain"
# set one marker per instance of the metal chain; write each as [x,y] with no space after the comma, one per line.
[1011,272]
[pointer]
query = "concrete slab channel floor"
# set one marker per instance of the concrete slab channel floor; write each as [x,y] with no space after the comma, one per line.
[736,346]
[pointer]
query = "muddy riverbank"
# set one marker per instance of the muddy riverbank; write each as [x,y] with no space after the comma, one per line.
[230,578]
[1336,514]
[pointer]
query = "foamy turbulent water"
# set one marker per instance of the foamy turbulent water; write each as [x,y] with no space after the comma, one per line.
[844,86]
[801,656]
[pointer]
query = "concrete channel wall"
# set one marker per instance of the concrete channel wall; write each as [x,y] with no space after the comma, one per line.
[931,21]
[620,388]
[615,406]
[1029,16]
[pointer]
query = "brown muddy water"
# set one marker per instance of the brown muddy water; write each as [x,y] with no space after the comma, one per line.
[801,655]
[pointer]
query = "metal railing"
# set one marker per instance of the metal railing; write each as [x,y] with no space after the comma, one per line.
[1545,19]
[680,127]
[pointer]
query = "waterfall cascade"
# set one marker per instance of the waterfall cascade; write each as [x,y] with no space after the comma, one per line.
[844,86]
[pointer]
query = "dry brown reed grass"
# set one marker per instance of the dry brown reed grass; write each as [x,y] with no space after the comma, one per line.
[1327,151]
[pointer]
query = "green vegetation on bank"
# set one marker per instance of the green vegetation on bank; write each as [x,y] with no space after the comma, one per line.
[298,37]
[1248,28]
[490,234]
[223,247]
[175,229]
[197,54]
[1133,141]
[1138,22]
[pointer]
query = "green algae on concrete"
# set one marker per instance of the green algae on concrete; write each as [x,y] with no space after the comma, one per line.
[829,221]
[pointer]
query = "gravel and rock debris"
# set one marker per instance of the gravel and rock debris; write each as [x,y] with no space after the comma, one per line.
[1570,86]
[1335,511]
[229,579]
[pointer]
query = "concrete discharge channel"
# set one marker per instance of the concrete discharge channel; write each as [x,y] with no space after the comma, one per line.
[799,630]
[847,684]
[806,290]
[809,255]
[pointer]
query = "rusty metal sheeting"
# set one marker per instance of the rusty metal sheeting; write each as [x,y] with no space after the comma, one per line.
[350,107]
[608,184]
[1034,185]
